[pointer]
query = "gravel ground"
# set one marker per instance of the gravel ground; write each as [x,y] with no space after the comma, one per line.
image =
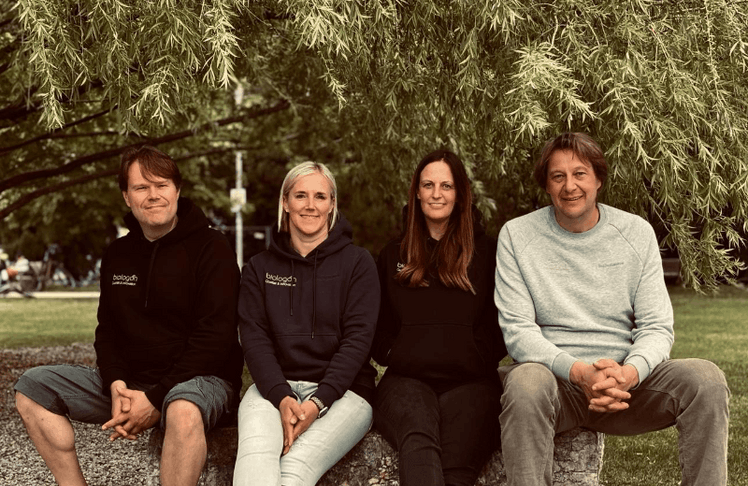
[103,463]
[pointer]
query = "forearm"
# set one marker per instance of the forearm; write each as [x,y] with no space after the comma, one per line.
[111,365]
[343,369]
[108,342]
[384,338]
[211,336]
[267,374]
[652,335]
[358,324]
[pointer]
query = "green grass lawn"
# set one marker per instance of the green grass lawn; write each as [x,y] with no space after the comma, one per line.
[709,327]
[42,322]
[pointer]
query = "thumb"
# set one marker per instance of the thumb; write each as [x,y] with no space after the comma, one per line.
[126,392]
[603,363]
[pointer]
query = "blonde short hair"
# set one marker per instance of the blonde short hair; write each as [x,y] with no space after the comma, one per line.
[301,170]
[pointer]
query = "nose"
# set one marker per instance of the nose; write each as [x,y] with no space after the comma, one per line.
[152,193]
[570,184]
[437,192]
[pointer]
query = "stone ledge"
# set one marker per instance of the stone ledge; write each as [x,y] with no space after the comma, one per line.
[577,461]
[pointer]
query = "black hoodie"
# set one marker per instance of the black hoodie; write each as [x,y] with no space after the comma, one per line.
[167,310]
[310,318]
[440,335]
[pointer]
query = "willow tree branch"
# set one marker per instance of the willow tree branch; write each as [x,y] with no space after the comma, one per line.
[25,177]
[27,198]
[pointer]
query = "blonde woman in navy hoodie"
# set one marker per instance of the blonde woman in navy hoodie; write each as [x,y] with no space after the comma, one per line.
[308,310]
[438,333]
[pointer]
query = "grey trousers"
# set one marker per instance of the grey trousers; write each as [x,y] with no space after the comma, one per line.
[691,394]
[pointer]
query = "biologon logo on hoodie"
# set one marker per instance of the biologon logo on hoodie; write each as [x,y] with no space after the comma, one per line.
[287,281]
[131,280]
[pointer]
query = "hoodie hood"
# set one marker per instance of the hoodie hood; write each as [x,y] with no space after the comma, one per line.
[340,236]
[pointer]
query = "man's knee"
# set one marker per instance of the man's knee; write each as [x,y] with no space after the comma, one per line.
[530,383]
[26,406]
[184,417]
[701,379]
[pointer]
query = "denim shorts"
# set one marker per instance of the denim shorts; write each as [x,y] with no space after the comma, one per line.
[77,392]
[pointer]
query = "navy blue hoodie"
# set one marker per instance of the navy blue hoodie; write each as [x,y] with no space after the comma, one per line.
[310,318]
[167,310]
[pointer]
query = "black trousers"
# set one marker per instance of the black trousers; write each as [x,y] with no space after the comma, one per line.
[442,439]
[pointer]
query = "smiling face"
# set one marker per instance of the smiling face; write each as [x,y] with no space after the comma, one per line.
[437,194]
[309,204]
[573,186]
[153,201]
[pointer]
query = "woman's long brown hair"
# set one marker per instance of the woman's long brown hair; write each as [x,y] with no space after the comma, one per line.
[454,252]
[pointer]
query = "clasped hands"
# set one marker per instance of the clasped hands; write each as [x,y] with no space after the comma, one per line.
[605,384]
[132,412]
[296,418]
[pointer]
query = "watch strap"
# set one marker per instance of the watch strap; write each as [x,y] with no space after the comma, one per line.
[320,405]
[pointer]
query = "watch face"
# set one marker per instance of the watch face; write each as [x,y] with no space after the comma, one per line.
[322,412]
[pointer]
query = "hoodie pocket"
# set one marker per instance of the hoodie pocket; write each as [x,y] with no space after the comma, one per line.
[154,360]
[436,351]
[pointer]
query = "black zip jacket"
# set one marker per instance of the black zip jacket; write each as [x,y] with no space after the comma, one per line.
[167,310]
[442,336]
[310,318]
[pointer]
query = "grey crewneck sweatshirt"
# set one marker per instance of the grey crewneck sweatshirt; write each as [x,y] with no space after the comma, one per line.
[564,297]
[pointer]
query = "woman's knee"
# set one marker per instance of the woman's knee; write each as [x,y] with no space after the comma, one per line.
[403,415]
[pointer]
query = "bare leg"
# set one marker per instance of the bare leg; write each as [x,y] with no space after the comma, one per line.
[185,448]
[54,438]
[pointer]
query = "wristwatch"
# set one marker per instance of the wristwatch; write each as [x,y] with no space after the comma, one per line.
[320,405]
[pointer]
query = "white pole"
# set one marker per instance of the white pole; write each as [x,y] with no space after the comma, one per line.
[239,196]
[239,222]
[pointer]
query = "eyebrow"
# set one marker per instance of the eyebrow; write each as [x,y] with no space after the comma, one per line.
[576,167]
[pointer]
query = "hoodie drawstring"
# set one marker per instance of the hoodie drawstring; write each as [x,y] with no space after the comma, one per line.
[150,270]
[291,289]
[314,294]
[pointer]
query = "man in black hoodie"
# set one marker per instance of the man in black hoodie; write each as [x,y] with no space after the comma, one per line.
[166,345]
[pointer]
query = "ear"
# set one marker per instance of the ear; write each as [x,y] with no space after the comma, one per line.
[126,198]
[285,204]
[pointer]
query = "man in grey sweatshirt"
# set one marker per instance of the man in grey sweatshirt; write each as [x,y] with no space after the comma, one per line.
[586,316]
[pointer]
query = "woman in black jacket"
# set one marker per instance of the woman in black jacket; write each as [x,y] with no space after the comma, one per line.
[308,309]
[438,333]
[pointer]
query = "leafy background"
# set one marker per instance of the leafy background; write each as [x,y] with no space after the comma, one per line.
[369,87]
